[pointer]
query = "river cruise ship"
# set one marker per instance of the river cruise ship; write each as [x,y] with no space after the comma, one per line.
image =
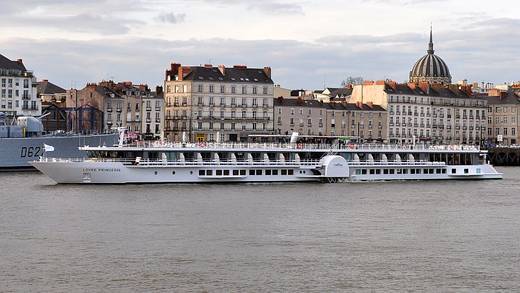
[267,162]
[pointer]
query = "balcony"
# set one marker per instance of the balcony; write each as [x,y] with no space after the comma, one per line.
[109,110]
[147,109]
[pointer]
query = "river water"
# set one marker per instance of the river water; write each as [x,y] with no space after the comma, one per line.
[444,236]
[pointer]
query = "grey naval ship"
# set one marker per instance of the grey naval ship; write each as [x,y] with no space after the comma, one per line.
[23,140]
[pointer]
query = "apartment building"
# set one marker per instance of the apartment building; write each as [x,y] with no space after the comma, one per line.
[123,104]
[503,117]
[18,94]
[206,101]
[430,113]
[367,122]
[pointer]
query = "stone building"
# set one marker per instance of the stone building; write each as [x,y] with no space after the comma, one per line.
[203,101]
[306,117]
[431,113]
[368,122]
[50,92]
[310,117]
[18,95]
[123,104]
[503,117]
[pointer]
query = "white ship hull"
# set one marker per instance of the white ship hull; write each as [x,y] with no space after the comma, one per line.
[92,172]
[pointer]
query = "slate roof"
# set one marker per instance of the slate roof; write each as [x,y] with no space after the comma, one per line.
[508,98]
[48,88]
[6,63]
[328,106]
[231,74]
[433,90]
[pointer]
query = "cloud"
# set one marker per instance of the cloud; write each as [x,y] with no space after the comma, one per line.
[476,56]
[171,17]
[270,6]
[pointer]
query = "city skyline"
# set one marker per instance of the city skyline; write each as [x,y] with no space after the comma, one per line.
[307,44]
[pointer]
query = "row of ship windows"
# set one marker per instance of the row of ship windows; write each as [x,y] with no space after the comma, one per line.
[400,171]
[410,171]
[252,172]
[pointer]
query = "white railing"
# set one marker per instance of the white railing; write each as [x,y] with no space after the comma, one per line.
[303,146]
[144,162]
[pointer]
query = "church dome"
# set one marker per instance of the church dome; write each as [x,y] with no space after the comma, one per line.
[430,68]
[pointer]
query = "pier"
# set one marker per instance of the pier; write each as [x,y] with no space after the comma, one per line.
[505,156]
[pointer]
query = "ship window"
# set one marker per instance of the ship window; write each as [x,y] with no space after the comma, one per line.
[173,172]
[466,171]
[453,171]
[399,171]
[358,171]
[243,172]
[431,171]
[202,172]
[478,171]
[443,171]
[284,172]
[438,171]
[378,171]
[290,172]
[412,171]
[218,172]
[155,172]
[209,172]
[364,171]
[259,172]
[275,172]
[405,171]
[418,171]
[267,172]
[251,172]
[235,172]
[372,171]
[385,171]
[392,171]
[226,172]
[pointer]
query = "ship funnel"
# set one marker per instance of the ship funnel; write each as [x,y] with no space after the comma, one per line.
[121,131]
[294,137]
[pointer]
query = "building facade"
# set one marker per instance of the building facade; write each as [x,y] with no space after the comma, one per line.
[18,94]
[306,117]
[134,107]
[431,113]
[503,115]
[209,103]
[310,117]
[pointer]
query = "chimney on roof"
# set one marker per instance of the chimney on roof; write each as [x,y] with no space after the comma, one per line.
[359,104]
[45,80]
[159,90]
[370,105]
[240,66]
[208,65]
[267,71]
[392,84]
[412,85]
[19,61]
[424,86]
[494,92]
[180,73]
[174,69]
[222,69]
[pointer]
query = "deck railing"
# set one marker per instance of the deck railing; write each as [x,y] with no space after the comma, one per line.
[302,146]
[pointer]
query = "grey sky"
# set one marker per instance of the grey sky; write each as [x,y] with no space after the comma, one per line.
[307,43]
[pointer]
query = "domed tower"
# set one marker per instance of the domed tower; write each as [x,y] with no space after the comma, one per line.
[430,68]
